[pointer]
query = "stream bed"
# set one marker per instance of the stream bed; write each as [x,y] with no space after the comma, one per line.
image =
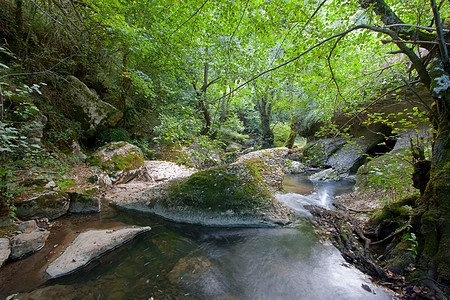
[176,261]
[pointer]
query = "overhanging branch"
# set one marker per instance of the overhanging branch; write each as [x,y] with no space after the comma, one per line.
[418,64]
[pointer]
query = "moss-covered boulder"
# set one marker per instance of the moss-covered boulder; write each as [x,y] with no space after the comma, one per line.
[50,205]
[270,164]
[120,160]
[233,195]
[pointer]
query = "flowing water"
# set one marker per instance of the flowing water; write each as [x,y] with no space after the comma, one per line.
[175,261]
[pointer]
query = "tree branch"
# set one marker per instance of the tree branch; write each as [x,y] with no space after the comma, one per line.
[420,67]
[193,15]
[440,34]
[45,13]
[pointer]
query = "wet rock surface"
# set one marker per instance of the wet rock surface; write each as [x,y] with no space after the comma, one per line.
[89,246]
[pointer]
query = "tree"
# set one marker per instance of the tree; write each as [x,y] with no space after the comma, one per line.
[432,214]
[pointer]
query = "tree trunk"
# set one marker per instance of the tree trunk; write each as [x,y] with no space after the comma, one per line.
[264,106]
[434,205]
[292,134]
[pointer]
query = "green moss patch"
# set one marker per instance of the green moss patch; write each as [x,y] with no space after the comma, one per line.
[236,188]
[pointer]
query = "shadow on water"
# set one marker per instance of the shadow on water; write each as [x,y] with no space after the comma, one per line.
[177,261]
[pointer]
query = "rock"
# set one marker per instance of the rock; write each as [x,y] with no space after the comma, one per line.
[270,164]
[76,151]
[351,156]
[233,195]
[27,227]
[25,244]
[83,204]
[294,167]
[89,246]
[120,160]
[5,250]
[233,147]
[328,174]
[88,109]
[317,153]
[50,185]
[34,131]
[50,205]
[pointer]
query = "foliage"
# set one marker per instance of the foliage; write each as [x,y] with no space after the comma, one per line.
[112,135]
[281,133]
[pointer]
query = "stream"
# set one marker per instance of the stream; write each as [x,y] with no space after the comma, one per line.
[176,261]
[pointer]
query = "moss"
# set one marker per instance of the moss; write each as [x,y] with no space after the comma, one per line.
[129,159]
[402,256]
[235,188]
[314,153]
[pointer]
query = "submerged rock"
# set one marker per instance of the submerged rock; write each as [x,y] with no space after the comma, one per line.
[50,205]
[89,246]
[5,250]
[25,244]
[60,292]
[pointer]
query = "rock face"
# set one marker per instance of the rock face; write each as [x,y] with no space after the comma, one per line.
[50,205]
[25,244]
[233,195]
[88,109]
[4,250]
[83,204]
[89,246]
[120,160]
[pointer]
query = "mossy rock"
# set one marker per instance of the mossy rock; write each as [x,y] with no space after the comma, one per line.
[314,154]
[391,218]
[270,164]
[233,195]
[50,205]
[117,156]
[401,257]
[235,188]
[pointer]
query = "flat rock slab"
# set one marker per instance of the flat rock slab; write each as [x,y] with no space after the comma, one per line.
[89,246]
[4,250]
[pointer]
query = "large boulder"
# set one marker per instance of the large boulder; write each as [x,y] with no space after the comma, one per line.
[233,195]
[270,164]
[120,160]
[89,246]
[25,244]
[49,205]
[88,109]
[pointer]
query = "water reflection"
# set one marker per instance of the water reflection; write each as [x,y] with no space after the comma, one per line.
[206,263]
